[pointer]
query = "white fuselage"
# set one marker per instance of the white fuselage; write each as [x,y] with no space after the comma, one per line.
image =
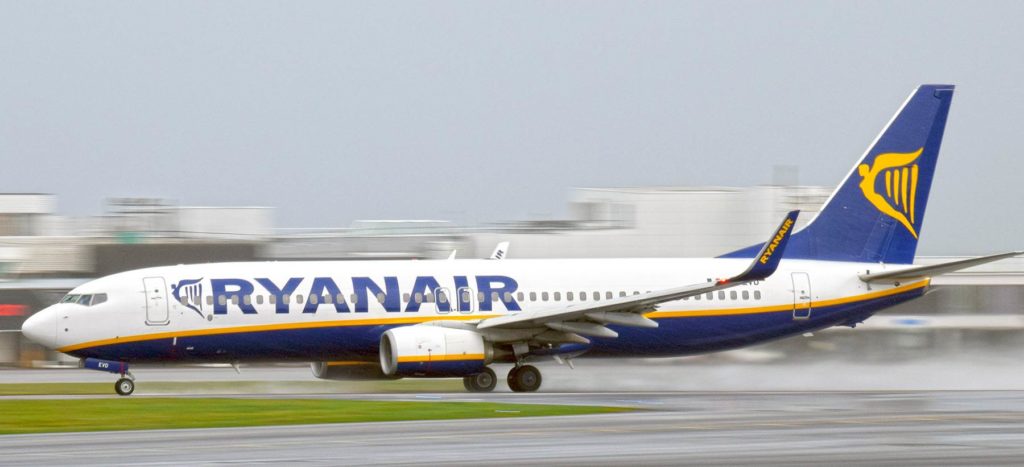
[241,311]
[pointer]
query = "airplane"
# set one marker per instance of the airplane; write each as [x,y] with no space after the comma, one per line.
[455,318]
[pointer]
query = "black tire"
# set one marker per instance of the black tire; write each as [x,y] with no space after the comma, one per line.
[485,381]
[124,387]
[524,379]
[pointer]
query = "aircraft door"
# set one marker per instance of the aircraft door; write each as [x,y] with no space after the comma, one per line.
[156,301]
[466,300]
[801,295]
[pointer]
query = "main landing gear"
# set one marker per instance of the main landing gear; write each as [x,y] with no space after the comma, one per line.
[481,382]
[521,378]
[525,378]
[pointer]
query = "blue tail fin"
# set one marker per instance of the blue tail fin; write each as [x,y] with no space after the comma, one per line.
[876,214]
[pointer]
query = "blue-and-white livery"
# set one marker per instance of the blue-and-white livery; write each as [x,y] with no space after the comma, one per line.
[452,318]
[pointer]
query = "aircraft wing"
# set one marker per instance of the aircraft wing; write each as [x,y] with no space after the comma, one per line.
[934,269]
[590,318]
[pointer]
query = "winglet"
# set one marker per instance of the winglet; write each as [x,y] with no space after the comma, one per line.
[768,259]
[500,251]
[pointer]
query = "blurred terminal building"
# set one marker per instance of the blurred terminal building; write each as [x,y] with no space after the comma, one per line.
[43,255]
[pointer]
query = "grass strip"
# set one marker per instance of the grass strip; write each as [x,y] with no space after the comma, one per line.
[236,387]
[64,415]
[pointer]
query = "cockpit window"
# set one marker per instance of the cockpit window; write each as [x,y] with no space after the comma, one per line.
[86,300]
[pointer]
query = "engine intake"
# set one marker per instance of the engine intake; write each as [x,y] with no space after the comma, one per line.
[433,351]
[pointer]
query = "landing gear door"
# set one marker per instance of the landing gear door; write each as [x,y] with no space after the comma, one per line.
[801,295]
[156,301]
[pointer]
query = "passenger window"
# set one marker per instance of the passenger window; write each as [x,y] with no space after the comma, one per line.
[696,297]
[286,299]
[568,296]
[721,295]
[298,299]
[209,300]
[466,297]
[442,297]
[259,299]
[533,296]
[709,295]
[327,299]
[222,300]
[757,295]
[272,299]
[354,298]
[622,294]
[340,298]
[405,297]
[583,296]
[746,295]
[429,297]
[234,300]
[608,295]
[494,296]
[732,295]
[544,296]
[557,296]
[597,296]
[508,297]
[99,298]
[521,296]
[247,299]
[381,297]
[418,297]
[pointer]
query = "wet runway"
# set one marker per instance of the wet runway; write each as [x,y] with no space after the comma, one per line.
[781,428]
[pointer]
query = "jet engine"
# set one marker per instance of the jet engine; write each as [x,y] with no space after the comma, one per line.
[433,351]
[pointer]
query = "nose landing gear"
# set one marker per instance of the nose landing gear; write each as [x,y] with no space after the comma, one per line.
[124,385]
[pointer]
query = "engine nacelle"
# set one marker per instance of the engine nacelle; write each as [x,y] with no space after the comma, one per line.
[349,371]
[433,351]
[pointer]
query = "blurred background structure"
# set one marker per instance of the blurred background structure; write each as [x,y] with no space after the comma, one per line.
[43,255]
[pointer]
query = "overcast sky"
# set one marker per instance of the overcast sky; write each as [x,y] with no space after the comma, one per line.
[487,111]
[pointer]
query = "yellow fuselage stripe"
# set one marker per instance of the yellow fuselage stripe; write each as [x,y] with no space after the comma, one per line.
[440,358]
[423,319]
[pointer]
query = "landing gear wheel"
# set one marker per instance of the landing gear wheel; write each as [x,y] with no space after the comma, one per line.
[124,387]
[525,378]
[481,382]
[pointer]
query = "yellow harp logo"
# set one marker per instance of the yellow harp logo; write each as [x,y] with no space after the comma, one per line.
[898,171]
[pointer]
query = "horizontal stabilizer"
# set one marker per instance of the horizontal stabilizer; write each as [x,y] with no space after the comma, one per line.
[934,269]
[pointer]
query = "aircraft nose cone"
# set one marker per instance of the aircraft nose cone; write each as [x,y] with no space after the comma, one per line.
[41,328]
